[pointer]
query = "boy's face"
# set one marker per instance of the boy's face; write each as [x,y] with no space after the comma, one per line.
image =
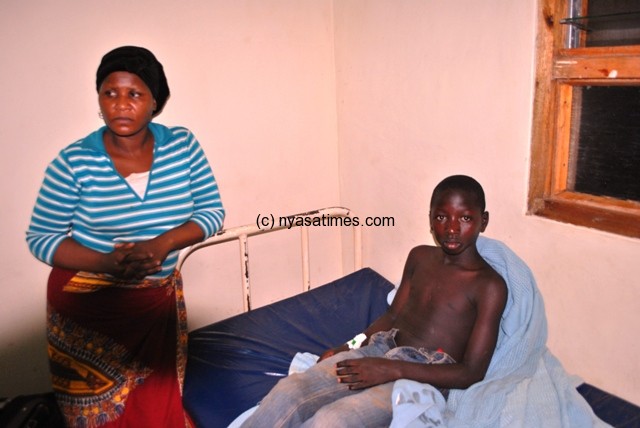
[456,220]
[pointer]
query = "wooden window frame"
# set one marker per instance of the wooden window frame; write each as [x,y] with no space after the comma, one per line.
[558,70]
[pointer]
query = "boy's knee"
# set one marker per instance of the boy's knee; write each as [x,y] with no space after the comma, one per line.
[325,417]
[288,388]
[344,414]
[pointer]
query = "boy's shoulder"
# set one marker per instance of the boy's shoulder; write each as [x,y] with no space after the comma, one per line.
[424,249]
[423,255]
[423,252]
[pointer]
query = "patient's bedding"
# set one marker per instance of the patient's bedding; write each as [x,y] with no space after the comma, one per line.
[235,362]
[525,384]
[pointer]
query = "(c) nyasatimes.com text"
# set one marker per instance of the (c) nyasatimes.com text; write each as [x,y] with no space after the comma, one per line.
[269,221]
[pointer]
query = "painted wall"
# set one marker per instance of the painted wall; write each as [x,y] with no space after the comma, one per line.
[426,90]
[253,80]
[361,103]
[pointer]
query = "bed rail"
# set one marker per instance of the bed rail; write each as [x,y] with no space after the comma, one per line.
[242,234]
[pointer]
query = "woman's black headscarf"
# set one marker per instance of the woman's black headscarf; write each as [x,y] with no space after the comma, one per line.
[142,63]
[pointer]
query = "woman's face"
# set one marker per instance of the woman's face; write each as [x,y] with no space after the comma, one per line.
[126,103]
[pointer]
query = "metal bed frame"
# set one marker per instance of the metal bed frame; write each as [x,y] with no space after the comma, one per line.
[242,234]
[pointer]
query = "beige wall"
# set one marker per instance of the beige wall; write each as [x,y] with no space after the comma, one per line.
[427,90]
[254,80]
[362,103]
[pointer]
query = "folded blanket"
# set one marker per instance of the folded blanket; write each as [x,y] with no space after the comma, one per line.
[525,384]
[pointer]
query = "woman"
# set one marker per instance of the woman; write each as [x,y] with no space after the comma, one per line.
[113,211]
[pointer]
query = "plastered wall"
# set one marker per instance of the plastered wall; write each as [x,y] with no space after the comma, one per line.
[361,103]
[253,80]
[426,90]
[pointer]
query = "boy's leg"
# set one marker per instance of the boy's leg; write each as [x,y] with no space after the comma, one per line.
[297,397]
[369,408]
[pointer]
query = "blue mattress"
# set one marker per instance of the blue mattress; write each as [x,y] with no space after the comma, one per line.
[234,363]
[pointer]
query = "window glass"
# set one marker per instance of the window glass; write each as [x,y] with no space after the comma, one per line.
[585,152]
[606,134]
[604,23]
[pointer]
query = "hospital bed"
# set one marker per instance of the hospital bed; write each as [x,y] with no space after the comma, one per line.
[233,363]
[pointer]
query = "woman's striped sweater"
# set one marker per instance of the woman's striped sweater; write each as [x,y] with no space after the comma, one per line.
[84,197]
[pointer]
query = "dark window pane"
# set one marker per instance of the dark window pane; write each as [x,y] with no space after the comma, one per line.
[613,22]
[605,23]
[607,159]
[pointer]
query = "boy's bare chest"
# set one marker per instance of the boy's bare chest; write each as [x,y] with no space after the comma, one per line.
[443,290]
[440,310]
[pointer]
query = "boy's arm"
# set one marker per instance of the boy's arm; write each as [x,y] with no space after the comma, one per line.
[386,321]
[366,372]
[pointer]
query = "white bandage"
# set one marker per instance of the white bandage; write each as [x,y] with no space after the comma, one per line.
[357,341]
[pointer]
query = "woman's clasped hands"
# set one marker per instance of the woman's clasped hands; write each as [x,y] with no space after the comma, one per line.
[136,260]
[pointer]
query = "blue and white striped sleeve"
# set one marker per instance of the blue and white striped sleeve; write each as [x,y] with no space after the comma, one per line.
[208,210]
[53,211]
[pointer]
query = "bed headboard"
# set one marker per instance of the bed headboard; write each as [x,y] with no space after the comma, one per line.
[271,224]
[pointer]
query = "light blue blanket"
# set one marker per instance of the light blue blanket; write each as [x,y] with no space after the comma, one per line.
[525,385]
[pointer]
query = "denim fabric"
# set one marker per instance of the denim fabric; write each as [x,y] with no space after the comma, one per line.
[316,399]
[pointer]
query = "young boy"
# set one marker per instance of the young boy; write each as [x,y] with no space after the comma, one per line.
[441,328]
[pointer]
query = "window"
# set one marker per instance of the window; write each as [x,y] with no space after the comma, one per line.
[585,160]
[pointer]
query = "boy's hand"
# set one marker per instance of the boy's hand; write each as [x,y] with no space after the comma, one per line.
[333,351]
[361,373]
